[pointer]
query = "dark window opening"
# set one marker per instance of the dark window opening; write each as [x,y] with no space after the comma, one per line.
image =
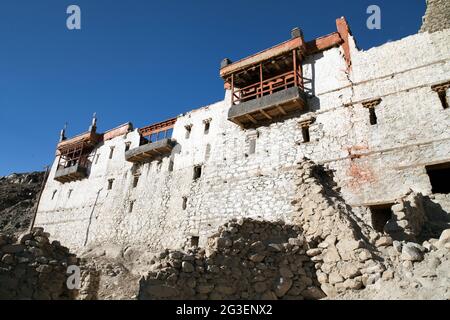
[53,195]
[439,178]
[372,116]
[110,183]
[184,205]
[69,194]
[170,166]
[135,181]
[207,127]
[381,214]
[305,134]
[111,152]
[127,146]
[197,172]
[96,159]
[194,241]
[130,208]
[188,131]
[443,97]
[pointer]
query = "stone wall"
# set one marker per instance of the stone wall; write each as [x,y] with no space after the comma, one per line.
[373,164]
[437,16]
[33,268]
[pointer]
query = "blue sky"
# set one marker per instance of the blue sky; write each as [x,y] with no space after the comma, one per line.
[145,61]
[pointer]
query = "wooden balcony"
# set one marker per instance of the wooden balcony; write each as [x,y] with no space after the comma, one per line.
[72,173]
[150,151]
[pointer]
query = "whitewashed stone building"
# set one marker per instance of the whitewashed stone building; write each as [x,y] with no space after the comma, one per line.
[379,119]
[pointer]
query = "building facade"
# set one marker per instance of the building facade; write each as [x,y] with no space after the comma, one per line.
[379,119]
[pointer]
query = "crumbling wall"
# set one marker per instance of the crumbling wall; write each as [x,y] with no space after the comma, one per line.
[437,16]
[33,268]
[246,259]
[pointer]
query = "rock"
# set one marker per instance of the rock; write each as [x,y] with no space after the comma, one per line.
[283,285]
[269,295]
[260,287]
[411,253]
[397,246]
[162,291]
[364,255]
[329,290]
[388,275]
[205,288]
[275,247]
[8,259]
[44,268]
[313,252]
[13,248]
[384,242]
[322,277]
[187,267]
[257,257]
[349,270]
[353,284]
[331,254]
[444,238]
[296,241]
[227,290]
[286,272]
[313,293]
[25,237]
[335,277]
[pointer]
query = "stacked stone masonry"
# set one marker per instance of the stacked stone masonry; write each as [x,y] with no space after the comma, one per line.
[372,164]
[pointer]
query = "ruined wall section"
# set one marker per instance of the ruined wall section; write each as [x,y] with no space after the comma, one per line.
[437,16]
[380,163]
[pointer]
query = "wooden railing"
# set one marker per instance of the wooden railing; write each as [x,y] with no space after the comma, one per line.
[267,87]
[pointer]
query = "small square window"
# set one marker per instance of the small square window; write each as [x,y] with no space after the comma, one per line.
[53,194]
[127,146]
[131,206]
[207,126]
[184,205]
[194,241]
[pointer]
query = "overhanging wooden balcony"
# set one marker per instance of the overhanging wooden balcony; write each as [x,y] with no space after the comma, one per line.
[75,172]
[150,151]
[267,86]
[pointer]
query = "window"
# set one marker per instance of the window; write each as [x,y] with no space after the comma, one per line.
[170,165]
[381,214]
[53,195]
[252,146]
[207,152]
[184,205]
[127,146]
[194,241]
[110,184]
[111,152]
[130,208]
[442,91]
[372,114]
[96,158]
[207,125]
[69,194]
[305,133]
[135,181]
[188,131]
[197,172]
[439,177]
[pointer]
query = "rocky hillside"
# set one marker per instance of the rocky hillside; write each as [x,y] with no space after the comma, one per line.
[18,193]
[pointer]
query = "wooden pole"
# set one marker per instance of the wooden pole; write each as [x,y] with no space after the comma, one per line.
[232,89]
[261,79]
[294,61]
[33,220]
